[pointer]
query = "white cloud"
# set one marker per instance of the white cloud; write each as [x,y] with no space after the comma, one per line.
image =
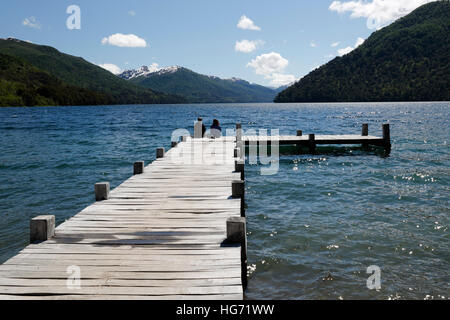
[378,12]
[281,79]
[111,68]
[247,24]
[31,22]
[153,67]
[248,46]
[268,63]
[313,44]
[349,49]
[132,13]
[344,51]
[271,66]
[335,44]
[359,42]
[125,40]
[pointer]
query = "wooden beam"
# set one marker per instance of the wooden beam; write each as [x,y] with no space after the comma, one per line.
[387,137]
[312,143]
[237,233]
[160,152]
[101,191]
[138,167]
[42,228]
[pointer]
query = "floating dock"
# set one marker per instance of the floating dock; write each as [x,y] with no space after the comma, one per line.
[175,230]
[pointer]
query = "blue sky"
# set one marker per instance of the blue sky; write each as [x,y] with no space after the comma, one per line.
[286,39]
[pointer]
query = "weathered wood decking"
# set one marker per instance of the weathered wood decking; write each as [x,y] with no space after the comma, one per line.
[158,236]
[311,140]
[318,139]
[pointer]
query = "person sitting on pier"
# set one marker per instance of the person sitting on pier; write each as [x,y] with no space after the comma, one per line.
[216,130]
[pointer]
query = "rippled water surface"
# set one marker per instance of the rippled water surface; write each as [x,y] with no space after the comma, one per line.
[314,227]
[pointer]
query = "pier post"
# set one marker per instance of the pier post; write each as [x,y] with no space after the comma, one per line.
[238,192]
[138,167]
[239,166]
[312,143]
[298,145]
[238,132]
[160,152]
[238,188]
[241,146]
[365,129]
[237,233]
[387,137]
[42,228]
[237,152]
[365,133]
[198,129]
[101,191]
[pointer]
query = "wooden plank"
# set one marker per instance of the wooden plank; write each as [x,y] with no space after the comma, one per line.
[141,258]
[126,250]
[112,290]
[131,248]
[97,273]
[63,261]
[163,267]
[122,282]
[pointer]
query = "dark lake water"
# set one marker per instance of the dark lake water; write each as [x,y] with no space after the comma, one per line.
[314,227]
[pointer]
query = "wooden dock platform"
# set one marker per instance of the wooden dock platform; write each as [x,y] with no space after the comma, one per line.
[311,140]
[159,235]
[318,139]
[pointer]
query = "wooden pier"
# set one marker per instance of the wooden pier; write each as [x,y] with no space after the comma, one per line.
[310,141]
[174,230]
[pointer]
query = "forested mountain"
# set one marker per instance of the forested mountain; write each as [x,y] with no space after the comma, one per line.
[22,84]
[408,60]
[32,74]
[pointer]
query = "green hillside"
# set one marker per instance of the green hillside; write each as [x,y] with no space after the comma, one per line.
[406,61]
[21,84]
[198,88]
[77,72]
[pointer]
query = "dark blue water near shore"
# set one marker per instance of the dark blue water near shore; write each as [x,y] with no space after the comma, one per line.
[314,227]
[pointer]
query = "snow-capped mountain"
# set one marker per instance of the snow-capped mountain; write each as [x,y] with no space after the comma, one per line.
[145,71]
[198,88]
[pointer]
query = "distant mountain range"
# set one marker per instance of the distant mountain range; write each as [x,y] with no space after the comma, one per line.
[406,61]
[35,75]
[198,88]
